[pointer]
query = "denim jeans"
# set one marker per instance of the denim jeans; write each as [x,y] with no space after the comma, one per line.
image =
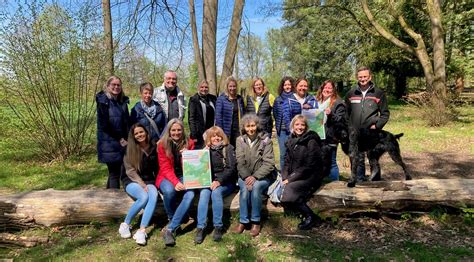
[182,209]
[282,138]
[334,172]
[253,199]
[217,196]
[146,200]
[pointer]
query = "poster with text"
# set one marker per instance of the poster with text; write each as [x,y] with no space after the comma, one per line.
[315,121]
[196,169]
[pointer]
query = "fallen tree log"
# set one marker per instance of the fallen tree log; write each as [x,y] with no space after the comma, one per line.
[58,207]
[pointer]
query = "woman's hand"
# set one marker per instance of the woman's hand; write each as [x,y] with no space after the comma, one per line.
[306,106]
[327,111]
[145,188]
[284,182]
[215,184]
[179,187]
[249,181]
[123,142]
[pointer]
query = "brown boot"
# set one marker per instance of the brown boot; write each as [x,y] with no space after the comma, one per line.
[255,231]
[239,228]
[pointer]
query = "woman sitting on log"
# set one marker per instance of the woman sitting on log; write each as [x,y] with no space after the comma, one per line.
[224,176]
[302,172]
[141,168]
[170,176]
[255,164]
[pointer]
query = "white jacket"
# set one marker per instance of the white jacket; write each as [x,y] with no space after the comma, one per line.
[159,95]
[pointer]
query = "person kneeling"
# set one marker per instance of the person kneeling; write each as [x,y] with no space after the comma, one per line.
[224,176]
[141,167]
[302,172]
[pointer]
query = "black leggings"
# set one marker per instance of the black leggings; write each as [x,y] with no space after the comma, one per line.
[114,174]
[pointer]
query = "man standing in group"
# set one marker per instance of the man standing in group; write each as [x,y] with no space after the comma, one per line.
[367,108]
[170,98]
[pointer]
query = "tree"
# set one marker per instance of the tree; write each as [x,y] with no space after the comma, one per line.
[209,27]
[108,39]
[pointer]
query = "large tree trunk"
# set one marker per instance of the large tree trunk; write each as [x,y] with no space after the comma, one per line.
[197,50]
[56,207]
[108,39]
[437,36]
[209,27]
[232,41]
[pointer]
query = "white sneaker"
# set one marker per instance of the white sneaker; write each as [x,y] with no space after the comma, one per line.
[140,237]
[124,230]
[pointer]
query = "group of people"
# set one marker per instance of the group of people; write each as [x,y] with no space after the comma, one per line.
[144,149]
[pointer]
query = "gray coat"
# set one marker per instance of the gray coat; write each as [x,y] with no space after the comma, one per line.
[257,161]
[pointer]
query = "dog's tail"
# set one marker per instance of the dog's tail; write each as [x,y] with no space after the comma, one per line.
[398,136]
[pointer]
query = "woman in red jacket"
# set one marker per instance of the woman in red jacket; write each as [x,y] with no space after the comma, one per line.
[170,175]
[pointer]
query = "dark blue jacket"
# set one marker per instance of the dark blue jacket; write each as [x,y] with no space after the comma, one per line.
[224,108]
[138,116]
[112,125]
[281,113]
[295,106]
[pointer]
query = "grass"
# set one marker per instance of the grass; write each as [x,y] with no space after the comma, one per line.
[21,170]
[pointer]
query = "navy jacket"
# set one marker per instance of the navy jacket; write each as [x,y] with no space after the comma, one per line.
[295,106]
[281,113]
[112,125]
[138,116]
[224,108]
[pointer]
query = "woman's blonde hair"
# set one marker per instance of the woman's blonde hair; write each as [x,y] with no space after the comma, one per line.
[299,118]
[167,142]
[227,82]
[106,90]
[134,152]
[215,130]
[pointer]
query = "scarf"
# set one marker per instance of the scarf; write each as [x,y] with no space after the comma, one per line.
[322,106]
[150,110]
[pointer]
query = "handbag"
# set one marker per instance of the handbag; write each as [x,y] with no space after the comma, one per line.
[275,190]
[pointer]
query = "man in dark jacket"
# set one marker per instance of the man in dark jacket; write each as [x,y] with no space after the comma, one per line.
[367,108]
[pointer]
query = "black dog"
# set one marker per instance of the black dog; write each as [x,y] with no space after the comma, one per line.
[373,141]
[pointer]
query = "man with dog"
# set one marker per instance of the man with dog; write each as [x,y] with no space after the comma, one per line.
[367,108]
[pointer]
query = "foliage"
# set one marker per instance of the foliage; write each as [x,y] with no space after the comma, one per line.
[52,62]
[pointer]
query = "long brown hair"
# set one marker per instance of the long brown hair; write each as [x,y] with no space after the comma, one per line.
[282,83]
[167,142]
[134,152]
[334,96]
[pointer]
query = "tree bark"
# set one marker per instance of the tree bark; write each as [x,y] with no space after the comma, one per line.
[108,39]
[197,49]
[56,207]
[209,27]
[437,36]
[231,49]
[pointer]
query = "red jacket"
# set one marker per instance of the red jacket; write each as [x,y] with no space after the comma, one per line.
[167,165]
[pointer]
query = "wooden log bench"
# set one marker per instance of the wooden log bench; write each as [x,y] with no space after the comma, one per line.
[60,207]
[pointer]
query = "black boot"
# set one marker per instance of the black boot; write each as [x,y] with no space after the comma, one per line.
[218,232]
[199,236]
[308,222]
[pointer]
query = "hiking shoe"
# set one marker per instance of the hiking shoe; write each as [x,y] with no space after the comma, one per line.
[199,236]
[169,238]
[140,237]
[124,230]
[218,232]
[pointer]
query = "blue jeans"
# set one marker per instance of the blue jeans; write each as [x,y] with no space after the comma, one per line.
[217,196]
[334,172]
[183,207]
[253,199]
[146,200]
[282,138]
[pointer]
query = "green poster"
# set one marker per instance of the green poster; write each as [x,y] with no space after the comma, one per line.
[196,169]
[315,121]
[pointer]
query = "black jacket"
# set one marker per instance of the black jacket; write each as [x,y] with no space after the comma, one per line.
[223,169]
[363,112]
[303,160]
[264,111]
[196,122]
[338,114]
